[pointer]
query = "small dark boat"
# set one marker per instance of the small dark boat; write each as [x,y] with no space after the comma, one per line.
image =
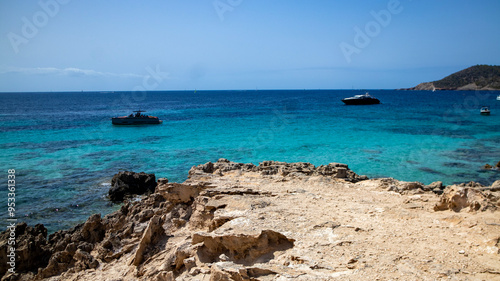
[361,100]
[136,119]
[485,110]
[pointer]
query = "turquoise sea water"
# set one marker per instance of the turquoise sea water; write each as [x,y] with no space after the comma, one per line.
[65,150]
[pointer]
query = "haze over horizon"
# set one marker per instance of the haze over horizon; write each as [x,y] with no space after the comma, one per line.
[63,45]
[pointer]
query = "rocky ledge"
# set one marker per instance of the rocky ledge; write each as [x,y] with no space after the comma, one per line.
[275,221]
[274,168]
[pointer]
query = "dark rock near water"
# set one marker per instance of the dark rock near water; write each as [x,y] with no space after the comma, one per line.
[489,167]
[125,184]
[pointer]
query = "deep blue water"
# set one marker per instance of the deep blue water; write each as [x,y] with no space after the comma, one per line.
[65,150]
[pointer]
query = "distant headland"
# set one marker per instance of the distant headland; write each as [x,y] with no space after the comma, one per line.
[478,77]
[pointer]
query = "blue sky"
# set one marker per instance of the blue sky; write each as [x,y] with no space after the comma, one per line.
[74,45]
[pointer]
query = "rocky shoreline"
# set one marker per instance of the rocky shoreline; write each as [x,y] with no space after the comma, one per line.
[274,221]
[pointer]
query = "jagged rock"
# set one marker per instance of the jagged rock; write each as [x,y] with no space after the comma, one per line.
[85,246]
[144,215]
[84,261]
[184,257]
[126,183]
[436,184]
[31,252]
[271,168]
[189,263]
[341,173]
[217,274]
[165,276]
[159,238]
[179,193]
[180,259]
[471,184]
[17,276]
[71,248]
[92,231]
[241,248]
[58,263]
[106,249]
[411,187]
[437,187]
[458,197]
[221,166]
[208,168]
[153,233]
[337,170]
[232,271]
[85,235]
[204,208]
[61,261]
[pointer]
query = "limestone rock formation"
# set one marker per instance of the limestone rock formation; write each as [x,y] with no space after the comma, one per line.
[32,250]
[401,187]
[127,183]
[458,197]
[271,168]
[231,271]
[154,232]
[495,186]
[436,187]
[275,221]
[240,248]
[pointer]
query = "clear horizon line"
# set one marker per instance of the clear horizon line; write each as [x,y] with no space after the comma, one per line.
[204,90]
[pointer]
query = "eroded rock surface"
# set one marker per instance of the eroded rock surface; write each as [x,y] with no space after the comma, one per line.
[276,221]
[241,248]
[270,168]
[32,250]
[471,196]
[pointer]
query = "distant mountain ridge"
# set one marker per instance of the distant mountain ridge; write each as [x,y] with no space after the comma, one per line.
[478,77]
